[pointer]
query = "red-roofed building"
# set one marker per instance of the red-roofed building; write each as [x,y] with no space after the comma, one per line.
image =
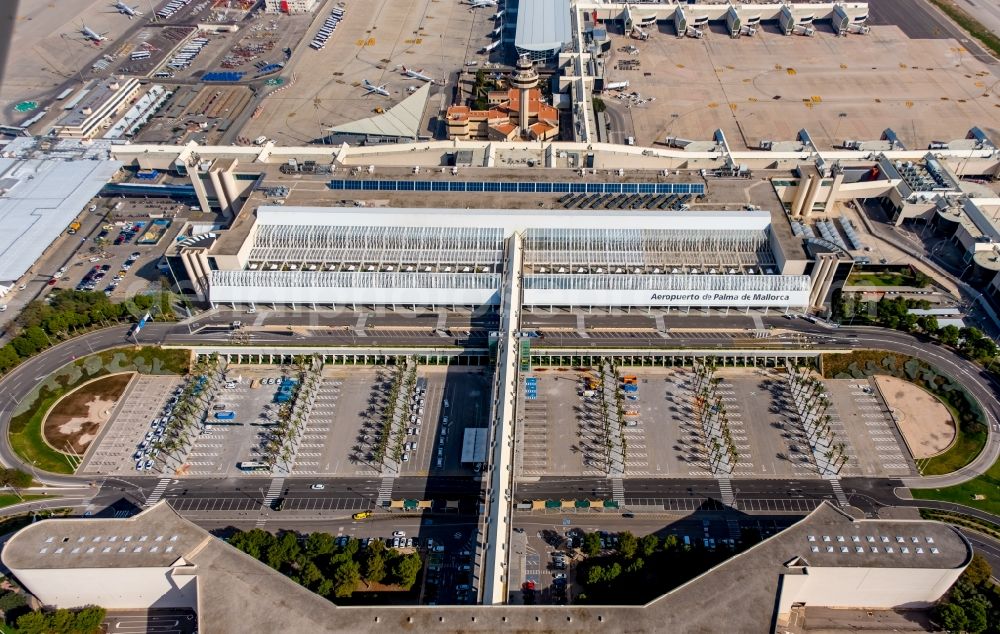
[504,121]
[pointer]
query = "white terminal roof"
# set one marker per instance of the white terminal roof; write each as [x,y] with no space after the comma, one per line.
[543,25]
[38,199]
[401,120]
[511,220]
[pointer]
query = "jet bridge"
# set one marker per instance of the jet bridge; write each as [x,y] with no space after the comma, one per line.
[690,26]
[845,21]
[739,24]
[792,23]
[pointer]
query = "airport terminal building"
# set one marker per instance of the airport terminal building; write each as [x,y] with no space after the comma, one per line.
[348,256]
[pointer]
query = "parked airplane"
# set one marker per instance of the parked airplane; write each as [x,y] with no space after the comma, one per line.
[124,9]
[375,90]
[480,4]
[417,74]
[92,35]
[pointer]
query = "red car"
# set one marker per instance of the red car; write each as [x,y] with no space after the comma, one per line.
[53,281]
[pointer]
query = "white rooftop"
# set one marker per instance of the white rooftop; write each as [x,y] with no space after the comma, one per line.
[511,219]
[402,120]
[543,25]
[38,200]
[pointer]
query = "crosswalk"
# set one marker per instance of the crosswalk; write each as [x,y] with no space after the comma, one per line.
[726,488]
[838,491]
[618,491]
[158,491]
[385,491]
[273,492]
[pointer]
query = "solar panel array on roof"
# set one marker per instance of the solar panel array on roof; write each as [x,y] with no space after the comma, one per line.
[515,187]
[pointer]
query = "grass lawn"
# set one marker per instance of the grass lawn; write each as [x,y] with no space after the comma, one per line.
[29,444]
[987,485]
[881,279]
[25,431]
[961,519]
[970,24]
[10,499]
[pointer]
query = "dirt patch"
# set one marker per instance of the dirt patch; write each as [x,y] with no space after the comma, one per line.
[924,421]
[76,419]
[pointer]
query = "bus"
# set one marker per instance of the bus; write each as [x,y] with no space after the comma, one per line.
[251,466]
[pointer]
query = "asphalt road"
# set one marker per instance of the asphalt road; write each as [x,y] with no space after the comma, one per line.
[15,385]
[918,20]
[988,547]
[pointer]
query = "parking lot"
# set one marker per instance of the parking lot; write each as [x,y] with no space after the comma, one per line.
[111,256]
[114,450]
[337,435]
[878,445]
[341,430]
[560,434]
[226,443]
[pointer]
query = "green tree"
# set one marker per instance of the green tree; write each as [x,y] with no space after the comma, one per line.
[310,576]
[89,619]
[635,566]
[37,337]
[592,544]
[23,346]
[595,574]
[346,578]
[11,600]
[325,587]
[406,569]
[613,572]
[628,544]
[351,547]
[375,566]
[949,335]
[978,572]
[975,614]
[671,542]
[649,544]
[929,324]
[8,357]
[34,623]
[319,544]
[283,550]
[255,542]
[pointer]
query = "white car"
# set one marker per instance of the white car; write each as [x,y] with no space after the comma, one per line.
[446,403]
[318,487]
[399,534]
